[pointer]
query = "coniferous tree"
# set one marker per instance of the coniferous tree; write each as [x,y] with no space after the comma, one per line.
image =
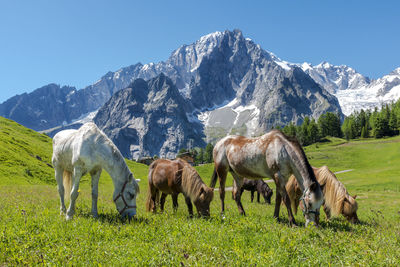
[200,156]
[313,132]
[290,129]
[329,125]
[208,154]
[364,132]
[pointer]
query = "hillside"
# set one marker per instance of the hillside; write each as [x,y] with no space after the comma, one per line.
[25,157]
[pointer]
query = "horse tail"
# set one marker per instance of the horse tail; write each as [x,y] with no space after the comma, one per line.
[149,201]
[214,178]
[67,182]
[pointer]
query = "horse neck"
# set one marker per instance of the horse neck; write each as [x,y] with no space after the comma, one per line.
[301,168]
[116,167]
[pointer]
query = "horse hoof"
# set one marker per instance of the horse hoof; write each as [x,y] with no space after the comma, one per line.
[68,218]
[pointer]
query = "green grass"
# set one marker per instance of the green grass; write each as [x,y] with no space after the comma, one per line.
[32,231]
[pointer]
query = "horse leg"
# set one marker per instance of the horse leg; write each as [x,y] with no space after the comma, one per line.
[154,193]
[238,182]
[258,196]
[327,212]
[59,178]
[278,199]
[76,177]
[95,191]
[286,200]
[252,196]
[162,201]
[175,201]
[222,179]
[190,206]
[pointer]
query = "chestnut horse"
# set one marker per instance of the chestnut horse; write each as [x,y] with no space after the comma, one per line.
[174,177]
[337,199]
[271,155]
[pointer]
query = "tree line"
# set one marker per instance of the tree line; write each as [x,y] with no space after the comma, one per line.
[376,123]
[360,124]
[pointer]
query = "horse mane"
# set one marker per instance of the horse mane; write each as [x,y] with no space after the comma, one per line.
[334,191]
[191,182]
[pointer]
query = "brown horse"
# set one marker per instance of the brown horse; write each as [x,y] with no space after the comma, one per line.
[337,199]
[174,177]
[258,186]
[272,155]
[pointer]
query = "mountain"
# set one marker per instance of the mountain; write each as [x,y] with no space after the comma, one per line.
[226,83]
[150,118]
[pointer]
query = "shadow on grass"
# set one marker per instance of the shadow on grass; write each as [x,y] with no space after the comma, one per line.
[114,218]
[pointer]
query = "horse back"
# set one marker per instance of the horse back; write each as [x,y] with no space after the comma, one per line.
[246,156]
[166,175]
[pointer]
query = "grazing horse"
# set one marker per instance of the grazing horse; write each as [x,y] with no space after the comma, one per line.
[258,186]
[174,177]
[271,155]
[88,150]
[337,199]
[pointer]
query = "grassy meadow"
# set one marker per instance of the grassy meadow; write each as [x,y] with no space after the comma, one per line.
[32,232]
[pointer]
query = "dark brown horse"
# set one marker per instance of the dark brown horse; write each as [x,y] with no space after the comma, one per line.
[272,155]
[172,177]
[258,186]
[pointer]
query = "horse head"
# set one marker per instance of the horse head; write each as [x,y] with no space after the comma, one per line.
[267,193]
[125,200]
[203,200]
[312,200]
[350,207]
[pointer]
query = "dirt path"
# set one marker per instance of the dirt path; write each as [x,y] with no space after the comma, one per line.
[344,171]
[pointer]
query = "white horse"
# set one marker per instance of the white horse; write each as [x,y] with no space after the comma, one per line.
[89,150]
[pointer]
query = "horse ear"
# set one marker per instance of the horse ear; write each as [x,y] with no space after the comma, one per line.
[130,178]
[355,196]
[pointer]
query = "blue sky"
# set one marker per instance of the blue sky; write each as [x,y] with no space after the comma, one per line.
[76,42]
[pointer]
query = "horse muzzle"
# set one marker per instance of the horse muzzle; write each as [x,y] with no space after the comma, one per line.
[131,213]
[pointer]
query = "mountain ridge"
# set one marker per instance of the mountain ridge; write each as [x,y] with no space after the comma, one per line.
[228,83]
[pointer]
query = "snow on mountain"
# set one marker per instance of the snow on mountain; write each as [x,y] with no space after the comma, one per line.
[335,78]
[378,92]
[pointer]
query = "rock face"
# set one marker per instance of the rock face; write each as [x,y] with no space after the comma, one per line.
[149,118]
[45,107]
